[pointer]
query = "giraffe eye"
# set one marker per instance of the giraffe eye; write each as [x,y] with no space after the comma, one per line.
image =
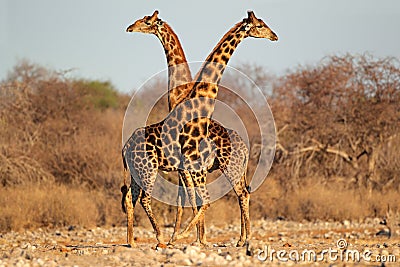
[247,27]
[147,23]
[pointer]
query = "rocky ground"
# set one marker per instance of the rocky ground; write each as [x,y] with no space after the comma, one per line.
[275,242]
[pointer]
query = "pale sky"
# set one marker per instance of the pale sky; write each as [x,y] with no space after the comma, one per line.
[89,35]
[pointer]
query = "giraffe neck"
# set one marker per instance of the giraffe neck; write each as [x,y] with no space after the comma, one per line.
[179,74]
[208,78]
[193,115]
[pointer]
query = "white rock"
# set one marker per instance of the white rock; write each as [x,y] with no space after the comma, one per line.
[187,262]
[247,262]
[220,261]
[202,255]
[191,251]
[40,261]
[241,258]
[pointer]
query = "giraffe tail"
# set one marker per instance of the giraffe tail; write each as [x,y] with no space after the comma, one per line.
[124,188]
[245,163]
[123,159]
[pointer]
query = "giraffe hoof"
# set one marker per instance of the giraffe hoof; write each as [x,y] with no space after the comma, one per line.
[132,245]
[203,244]
[196,243]
[241,243]
[160,246]
[172,240]
[171,243]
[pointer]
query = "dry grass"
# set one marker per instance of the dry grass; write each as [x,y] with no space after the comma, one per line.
[315,201]
[50,206]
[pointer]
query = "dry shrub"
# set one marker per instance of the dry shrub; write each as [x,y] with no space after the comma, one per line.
[59,129]
[337,145]
[334,119]
[18,169]
[59,150]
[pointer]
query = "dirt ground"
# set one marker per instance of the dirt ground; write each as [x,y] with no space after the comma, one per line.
[273,242]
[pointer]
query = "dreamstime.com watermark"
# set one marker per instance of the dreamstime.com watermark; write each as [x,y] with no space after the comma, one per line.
[340,253]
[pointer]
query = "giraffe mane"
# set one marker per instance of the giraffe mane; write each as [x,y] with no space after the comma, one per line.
[233,29]
[175,36]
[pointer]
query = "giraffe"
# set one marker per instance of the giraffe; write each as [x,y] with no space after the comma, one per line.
[204,91]
[179,76]
[142,148]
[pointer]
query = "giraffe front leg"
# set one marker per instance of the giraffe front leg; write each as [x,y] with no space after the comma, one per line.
[205,199]
[202,232]
[200,182]
[201,236]
[180,202]
[186,179]
[193,222]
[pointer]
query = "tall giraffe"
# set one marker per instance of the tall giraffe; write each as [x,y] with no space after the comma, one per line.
[179,77]
[195,128]
[146,142]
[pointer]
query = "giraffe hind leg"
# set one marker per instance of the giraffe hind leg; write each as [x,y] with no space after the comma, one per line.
[145,201]
[241,190]
[130,200]
[147,174]
[244,200]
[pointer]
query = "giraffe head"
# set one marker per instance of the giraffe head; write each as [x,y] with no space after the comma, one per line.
[257,28]
[148,24]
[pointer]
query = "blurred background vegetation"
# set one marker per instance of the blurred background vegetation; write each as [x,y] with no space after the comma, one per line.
[336,158]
